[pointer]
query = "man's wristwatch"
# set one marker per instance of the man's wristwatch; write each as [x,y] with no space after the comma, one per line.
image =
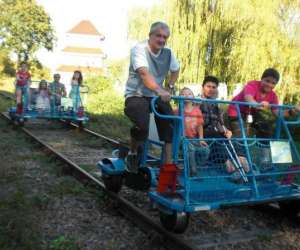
[171,86]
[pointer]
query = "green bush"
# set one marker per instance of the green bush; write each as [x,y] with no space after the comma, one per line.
[61,243]
[105,106]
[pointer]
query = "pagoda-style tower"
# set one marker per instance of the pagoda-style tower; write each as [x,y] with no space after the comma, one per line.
[81,51]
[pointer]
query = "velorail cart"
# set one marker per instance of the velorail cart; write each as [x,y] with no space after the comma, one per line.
[68,109]
[273,163]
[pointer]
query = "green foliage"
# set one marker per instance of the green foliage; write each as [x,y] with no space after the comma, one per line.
[17,230]
[118,69]
[62,243]
[105,106]
[7,67]
[140,20]
[5,104]
[24,28]
[38,71]
[98,84]
[67,186]
[232,39]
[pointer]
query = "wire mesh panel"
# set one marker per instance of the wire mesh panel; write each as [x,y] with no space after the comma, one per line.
[257,162]
[39,101]
[235,170]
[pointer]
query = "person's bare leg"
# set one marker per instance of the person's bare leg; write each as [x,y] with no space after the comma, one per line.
[244,163]
[19,96]
[229,166]
[168,153]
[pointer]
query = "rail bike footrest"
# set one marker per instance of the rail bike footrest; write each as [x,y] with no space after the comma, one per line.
[111,166]
[140,180]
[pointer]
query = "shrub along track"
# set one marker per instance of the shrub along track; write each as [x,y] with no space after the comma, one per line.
[231,228]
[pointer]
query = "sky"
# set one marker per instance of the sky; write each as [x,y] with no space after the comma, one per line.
[108,16]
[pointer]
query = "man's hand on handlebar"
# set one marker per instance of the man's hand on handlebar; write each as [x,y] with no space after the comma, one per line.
[163,94]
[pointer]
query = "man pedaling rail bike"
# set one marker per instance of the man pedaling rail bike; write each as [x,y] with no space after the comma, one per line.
[150,63]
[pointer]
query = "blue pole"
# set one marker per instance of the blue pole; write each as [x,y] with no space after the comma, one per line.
[278,124]
[245,142]
[186,172]
[291,140]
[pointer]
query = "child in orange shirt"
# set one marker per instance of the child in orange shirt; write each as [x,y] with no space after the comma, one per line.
[193,124]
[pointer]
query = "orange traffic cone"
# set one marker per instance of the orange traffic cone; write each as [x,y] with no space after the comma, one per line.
[19,108]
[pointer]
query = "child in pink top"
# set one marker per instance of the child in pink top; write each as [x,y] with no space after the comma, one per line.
[256,92]
[23,79]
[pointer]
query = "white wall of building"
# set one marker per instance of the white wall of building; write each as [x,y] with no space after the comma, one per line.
[82,40]
[79,59]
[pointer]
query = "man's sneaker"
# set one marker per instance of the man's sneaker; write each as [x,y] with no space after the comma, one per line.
[132,163]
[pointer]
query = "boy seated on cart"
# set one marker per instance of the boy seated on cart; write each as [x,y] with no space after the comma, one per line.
[221,151]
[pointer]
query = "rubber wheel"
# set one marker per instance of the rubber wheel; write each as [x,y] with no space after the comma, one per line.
[19,122]
[177,222]
[146,175]
[80,126]
[12,118]
[290,207]
[67,123]
[113,183]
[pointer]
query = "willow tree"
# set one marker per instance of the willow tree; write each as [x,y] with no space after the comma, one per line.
[140,20]
[234,40]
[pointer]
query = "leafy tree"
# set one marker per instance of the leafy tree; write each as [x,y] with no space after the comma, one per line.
[25,27]
[117,70]
[7,67]
[140,20]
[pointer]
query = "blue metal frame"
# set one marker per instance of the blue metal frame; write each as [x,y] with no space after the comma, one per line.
[213,188]
[54,112]
[263,187]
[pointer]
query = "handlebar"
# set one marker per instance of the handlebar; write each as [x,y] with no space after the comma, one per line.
[182,99]
[178,117]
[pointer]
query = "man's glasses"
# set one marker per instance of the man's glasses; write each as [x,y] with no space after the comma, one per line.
[161,36]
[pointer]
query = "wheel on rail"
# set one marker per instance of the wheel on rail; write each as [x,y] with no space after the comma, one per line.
[21,123]
[67,123]
[290,207]
[138,181]
[176,222]
[18,122]
[80,126]
[113,183]
[145,174]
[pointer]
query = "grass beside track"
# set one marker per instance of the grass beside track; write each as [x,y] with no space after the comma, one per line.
[29,183]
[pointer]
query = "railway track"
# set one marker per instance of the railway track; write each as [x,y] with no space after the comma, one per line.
[79,153]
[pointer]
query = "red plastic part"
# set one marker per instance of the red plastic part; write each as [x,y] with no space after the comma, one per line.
[80,112]
[19,108]
[289,178]
[167,178]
